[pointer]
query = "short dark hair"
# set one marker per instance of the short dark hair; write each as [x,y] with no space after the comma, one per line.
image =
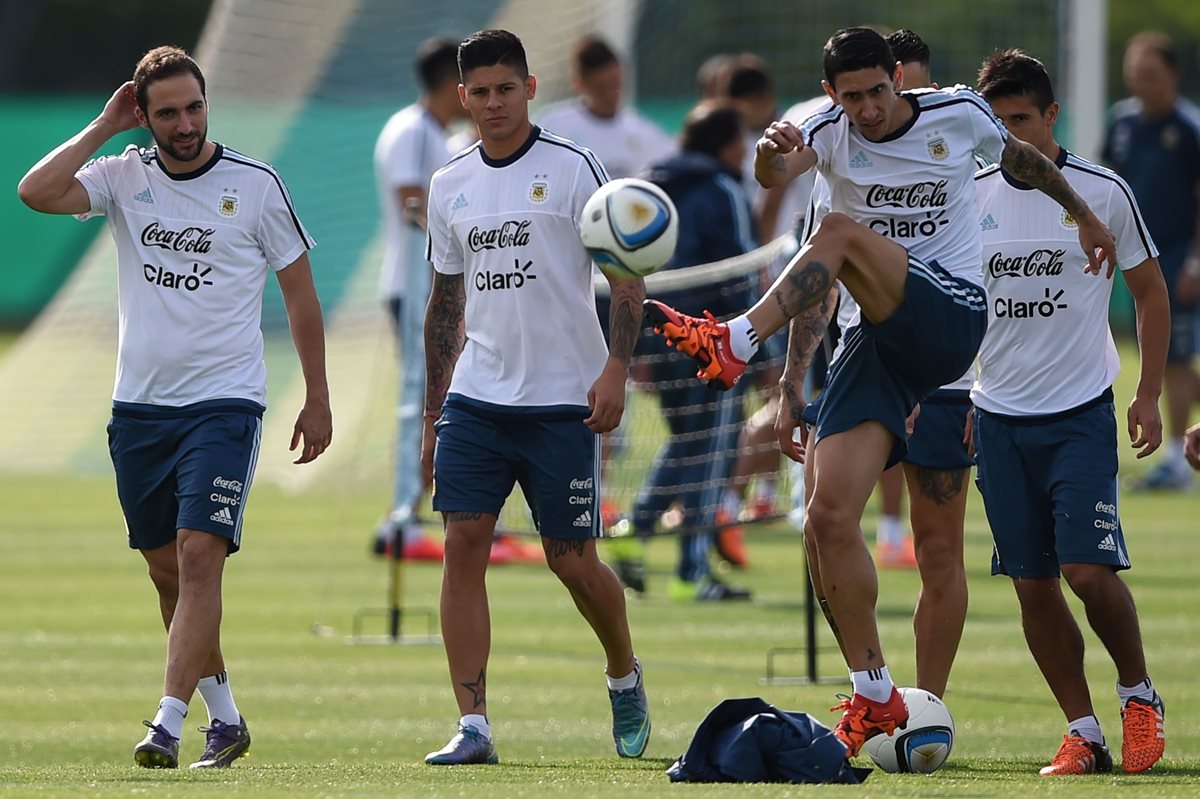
[749,76]
[1010,73]
[436,62]
[710,126]
[852,49]
[161,63]
[1159,43]
[712,73]
[908,47]
[490,47]
[591,53]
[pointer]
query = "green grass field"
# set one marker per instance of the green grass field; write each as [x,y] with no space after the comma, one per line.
[83,652]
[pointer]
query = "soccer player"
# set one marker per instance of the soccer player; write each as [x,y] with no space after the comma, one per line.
[900,164]
[1045,435]
[411,147]
[625,141]
[935,466]
[198,227]
[1153,142]
[519,381]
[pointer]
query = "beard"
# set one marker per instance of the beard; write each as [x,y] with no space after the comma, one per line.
[187,151]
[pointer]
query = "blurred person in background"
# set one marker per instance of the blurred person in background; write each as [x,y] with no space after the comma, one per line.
[1153,142]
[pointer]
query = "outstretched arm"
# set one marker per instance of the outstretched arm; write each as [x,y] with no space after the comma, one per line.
[805,333]
[781,155]
[606,397]
[1025,162]
[445,335]
[51,186]
[314,424]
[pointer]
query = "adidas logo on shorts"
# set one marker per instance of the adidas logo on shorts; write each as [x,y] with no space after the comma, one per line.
[223,516]
[584,519]
[1108,544]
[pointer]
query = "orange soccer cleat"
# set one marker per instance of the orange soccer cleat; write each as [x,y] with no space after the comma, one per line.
[1142,739]
[705,340]
[863,719]
[1078,755]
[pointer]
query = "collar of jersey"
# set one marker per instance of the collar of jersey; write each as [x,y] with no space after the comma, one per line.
[195,173]
[907,126]
[1018,184]
[512,159]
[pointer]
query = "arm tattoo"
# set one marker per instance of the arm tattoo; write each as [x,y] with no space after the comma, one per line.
[778,163]
[1025,162]
[558,547]
[805,333]
[625,317]
[445,335]
[478,689]
[940,485]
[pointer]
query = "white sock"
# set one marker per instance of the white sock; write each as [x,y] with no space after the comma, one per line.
[1173,455]
[170,715]
[630,680]
[889,533]
[874,684]
[731,503]
[742,338]
[1086,727]
[1143,690]
[218,698]
[479,722]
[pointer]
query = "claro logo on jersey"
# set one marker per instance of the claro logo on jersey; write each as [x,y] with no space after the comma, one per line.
[513,233]
[190,239]
[1039,263]
[499,281]
[927,195]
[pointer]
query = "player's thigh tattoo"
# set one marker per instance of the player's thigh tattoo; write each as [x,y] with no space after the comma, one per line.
[940,485]
[558,547]
[478,689]
[463,515]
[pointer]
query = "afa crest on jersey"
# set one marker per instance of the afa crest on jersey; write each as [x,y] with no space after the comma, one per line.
[938,149]
[228,205]
[539,190]
[1068,221]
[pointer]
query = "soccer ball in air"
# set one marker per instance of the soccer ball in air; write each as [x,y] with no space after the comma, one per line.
[630,227]
[925,742]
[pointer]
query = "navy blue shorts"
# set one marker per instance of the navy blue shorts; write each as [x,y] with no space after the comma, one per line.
[184,472]
[1185,319]
[937,439]
[1050,490]
[886,369]
[478,459]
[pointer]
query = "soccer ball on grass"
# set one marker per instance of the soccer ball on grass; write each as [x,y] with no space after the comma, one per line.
[630,227]
[925,742]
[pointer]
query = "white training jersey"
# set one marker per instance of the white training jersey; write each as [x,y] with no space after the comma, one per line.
[410,148]
[1048,347]
[511,228]
[193,253]
[625,143]
[915,186]
[793,209]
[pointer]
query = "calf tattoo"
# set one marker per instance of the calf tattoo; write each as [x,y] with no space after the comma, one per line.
[801,288]
[478,689]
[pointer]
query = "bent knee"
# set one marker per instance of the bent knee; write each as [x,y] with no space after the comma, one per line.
[827,520]
[1089,580]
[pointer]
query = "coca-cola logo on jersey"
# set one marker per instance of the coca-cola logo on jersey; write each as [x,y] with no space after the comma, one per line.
[1039,263]
[513,233]
[925,194]
[190,239]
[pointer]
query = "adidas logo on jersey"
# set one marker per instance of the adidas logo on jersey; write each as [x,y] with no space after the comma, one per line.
[584,519]
[223,516]
[459,202]
[860,160]
[1108,545]
[143,196]
[988,223]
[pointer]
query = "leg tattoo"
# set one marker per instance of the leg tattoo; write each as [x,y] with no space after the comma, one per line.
[940,485]
[478,689]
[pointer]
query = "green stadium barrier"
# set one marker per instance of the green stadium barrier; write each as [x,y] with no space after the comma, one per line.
[41,250]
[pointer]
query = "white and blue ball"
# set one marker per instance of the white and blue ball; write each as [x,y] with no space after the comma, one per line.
[925,742]
[629,227]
